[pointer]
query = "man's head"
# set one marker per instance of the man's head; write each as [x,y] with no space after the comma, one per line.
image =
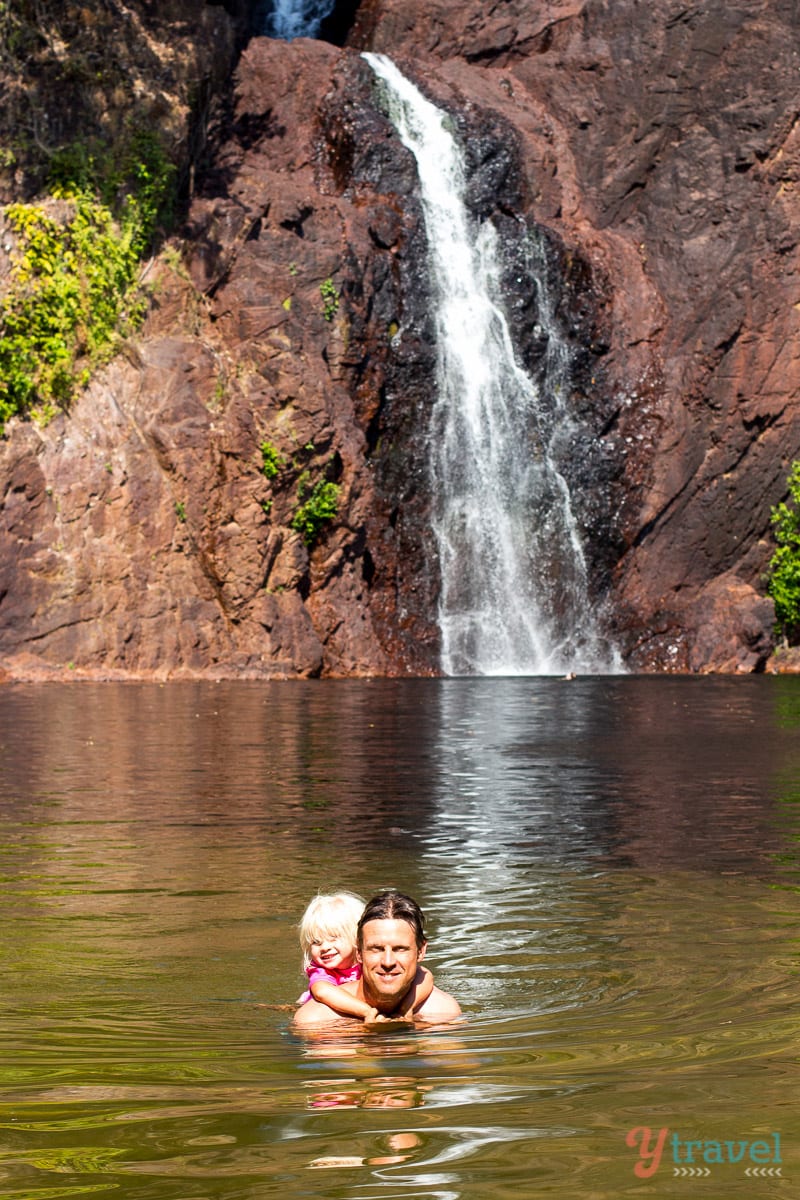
[391,944]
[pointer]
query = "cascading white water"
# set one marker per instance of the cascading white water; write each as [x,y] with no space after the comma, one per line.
[288,19]
[514,597]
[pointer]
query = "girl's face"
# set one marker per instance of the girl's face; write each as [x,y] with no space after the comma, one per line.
[333,950]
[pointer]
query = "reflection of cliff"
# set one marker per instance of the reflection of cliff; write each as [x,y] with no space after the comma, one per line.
[269,772]
[166,814]
[657,149]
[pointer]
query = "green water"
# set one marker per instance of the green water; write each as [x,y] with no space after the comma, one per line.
[609,869]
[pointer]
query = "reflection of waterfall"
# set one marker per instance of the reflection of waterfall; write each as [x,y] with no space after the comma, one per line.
[518,827]
[514,594]
[289,19]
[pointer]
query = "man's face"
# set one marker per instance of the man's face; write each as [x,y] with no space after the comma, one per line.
[389,959]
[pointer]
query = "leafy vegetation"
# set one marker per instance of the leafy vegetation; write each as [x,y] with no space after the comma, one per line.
[330,299]
[73,280]
[784,568]
[70,286]
[134,179]
[271,460]
[318,505]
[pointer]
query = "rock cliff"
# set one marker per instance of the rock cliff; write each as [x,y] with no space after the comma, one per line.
[166,525]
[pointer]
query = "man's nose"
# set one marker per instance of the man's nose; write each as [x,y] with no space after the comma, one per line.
[387,957]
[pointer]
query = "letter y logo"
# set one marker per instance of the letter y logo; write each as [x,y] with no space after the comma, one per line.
[648,1159]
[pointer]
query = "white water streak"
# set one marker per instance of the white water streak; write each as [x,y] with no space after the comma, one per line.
[514,597]
[290,19]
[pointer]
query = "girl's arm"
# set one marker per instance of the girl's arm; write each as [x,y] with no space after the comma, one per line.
[418,994]
[340,1000]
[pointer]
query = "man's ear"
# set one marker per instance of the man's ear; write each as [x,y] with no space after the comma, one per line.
[421,952]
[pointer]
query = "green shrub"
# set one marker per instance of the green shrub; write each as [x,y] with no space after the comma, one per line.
[72,286]
[271,460]
[70,292]
[135,180]
[318,506]
[330,299]
[784,567]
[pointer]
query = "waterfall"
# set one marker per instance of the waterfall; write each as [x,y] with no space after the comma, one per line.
[514,595]
[289,19]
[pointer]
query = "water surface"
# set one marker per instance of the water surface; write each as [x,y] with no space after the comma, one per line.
[609,867]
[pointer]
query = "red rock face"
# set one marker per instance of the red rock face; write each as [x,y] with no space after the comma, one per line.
[655,145]
[660,144]
[142,533]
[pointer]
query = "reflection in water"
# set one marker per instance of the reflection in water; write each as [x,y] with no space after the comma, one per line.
[610,872]
[384,1092]
[381,1092]
[395,1142]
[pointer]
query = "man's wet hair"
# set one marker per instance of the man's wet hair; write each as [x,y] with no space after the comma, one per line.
[391,905]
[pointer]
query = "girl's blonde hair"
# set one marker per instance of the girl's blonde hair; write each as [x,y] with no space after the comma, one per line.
[334,915]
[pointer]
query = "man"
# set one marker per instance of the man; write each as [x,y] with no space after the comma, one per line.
[391,945]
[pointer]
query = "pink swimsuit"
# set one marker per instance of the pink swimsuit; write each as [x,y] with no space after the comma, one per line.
[318,974]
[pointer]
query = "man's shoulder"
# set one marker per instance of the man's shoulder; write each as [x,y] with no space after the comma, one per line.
[315,1013]
[440,1005]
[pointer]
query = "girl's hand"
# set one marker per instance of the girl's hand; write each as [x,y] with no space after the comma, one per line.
[381,1020]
